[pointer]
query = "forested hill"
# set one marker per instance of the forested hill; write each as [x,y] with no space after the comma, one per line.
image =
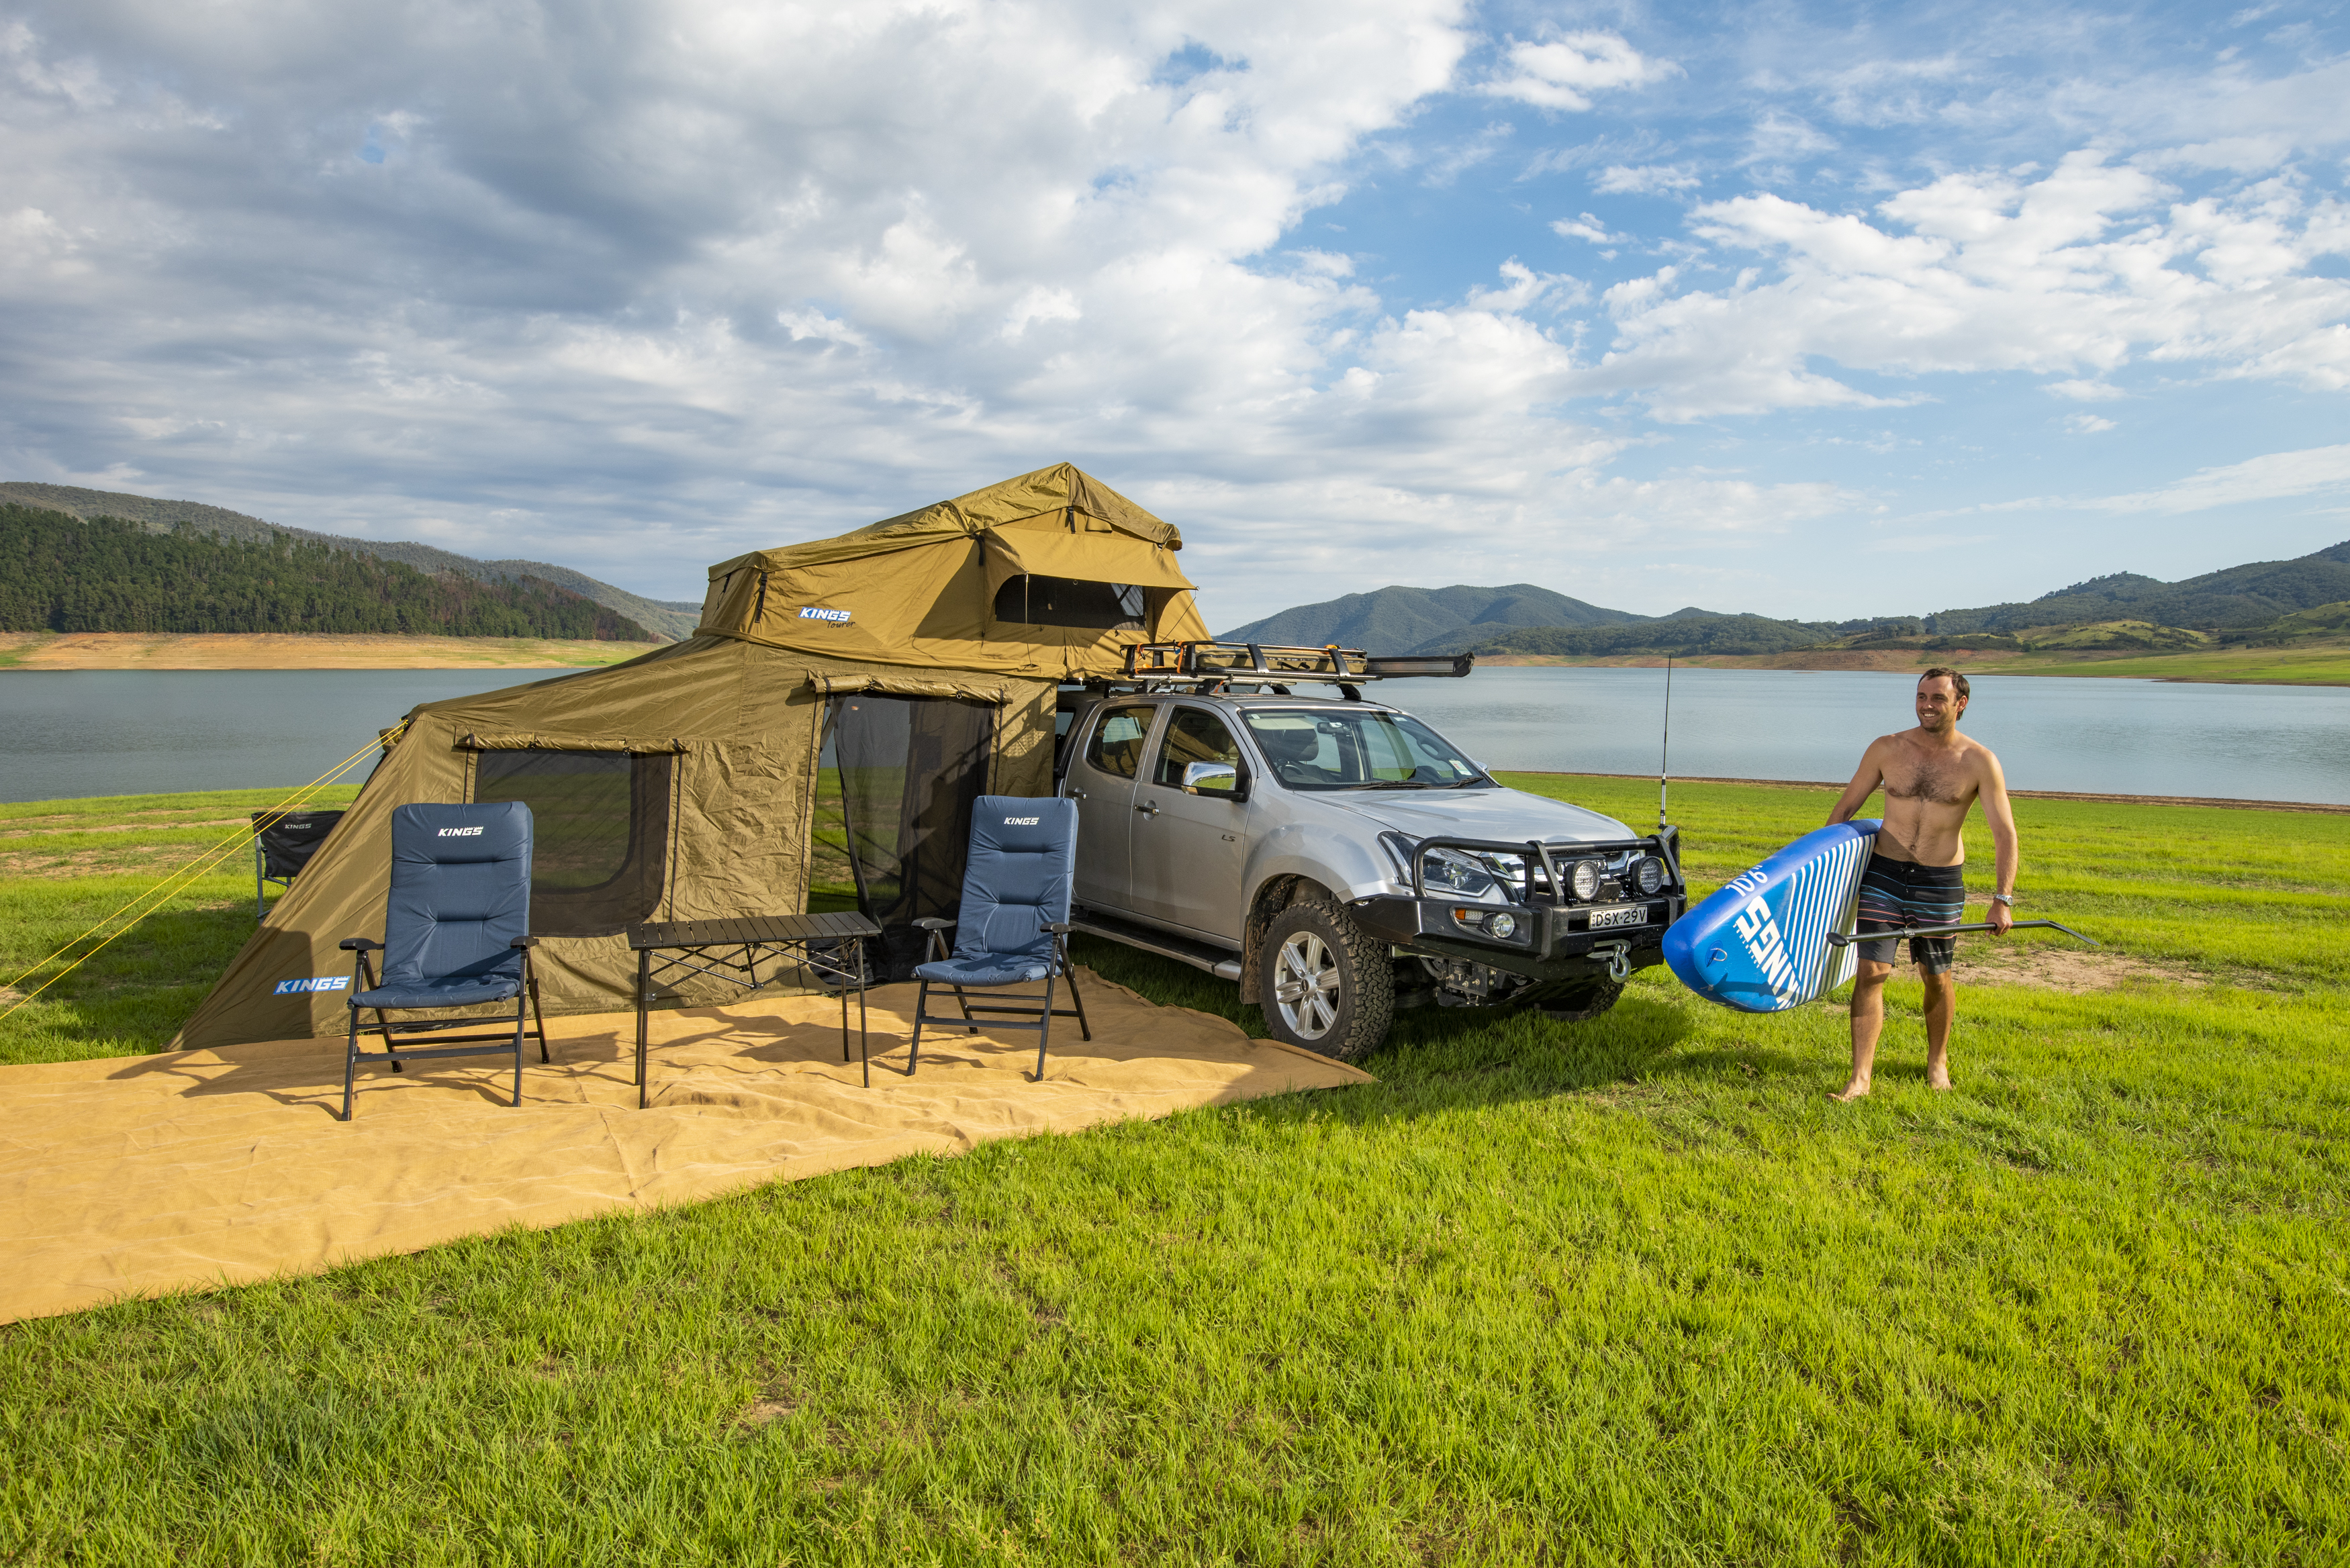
[670,618]
[63,573]
[1403,621]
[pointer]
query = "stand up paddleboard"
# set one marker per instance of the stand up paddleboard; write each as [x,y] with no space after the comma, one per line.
[1760,944]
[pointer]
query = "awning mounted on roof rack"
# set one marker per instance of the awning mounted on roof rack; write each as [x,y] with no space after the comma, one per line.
[1217,662]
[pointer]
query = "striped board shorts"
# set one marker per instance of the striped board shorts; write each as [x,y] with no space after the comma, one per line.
[1897,893]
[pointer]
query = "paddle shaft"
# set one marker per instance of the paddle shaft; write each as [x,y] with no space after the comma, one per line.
[1843,939]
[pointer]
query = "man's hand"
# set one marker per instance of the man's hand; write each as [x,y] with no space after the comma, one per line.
[2002,918]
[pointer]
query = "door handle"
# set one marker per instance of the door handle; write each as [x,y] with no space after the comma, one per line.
[1074,794]
[1148,809]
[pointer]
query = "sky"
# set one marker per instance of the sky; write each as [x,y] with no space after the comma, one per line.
[1809,310]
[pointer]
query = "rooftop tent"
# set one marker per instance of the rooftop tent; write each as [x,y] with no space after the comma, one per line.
[827,726]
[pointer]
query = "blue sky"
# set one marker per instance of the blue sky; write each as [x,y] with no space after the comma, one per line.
[1807,310]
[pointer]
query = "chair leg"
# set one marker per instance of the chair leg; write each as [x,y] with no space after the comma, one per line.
[1044,1026]
[969,1026]
[922,1005]
[522,1028]
[1075,995]
[350,1061]
[537,1017]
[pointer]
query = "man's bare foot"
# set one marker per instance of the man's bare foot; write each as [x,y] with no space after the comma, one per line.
[1937,1080]
[1851,1091]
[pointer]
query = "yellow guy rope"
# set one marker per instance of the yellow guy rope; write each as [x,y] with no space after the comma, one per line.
[179,878]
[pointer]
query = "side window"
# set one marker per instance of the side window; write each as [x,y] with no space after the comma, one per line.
[1116,745]
[599,833]
[1196,735]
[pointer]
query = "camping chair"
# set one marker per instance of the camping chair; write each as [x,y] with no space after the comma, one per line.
[1013,925]
[456,934]
[283,843]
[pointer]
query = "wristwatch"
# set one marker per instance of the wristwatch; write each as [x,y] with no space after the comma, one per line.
[2007,898]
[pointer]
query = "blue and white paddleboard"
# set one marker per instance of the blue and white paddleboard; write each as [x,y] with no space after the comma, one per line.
[1760,943]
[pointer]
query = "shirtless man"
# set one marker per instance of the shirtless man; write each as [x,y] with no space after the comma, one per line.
[1931,775]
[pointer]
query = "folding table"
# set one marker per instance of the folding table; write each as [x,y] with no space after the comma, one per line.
[831,948]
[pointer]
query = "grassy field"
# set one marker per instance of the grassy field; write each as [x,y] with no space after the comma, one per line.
[2322,664]
[300,651]
[1629,1291]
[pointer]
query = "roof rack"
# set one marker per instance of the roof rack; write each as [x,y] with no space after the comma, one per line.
[1216,663]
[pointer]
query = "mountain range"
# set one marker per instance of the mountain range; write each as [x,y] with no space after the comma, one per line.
[1521,618]
[669,620]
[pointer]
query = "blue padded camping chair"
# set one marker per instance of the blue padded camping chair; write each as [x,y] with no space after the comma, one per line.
[1014,926]
[456,933]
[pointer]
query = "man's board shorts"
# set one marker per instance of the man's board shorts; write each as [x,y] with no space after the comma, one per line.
[1898,893]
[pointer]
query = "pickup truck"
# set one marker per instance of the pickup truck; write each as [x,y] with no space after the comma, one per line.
[1335,856]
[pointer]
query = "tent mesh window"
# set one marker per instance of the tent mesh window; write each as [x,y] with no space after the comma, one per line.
[899,778]
[599,833]
[1065,601]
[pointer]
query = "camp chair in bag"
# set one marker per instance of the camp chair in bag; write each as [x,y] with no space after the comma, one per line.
[1013,925]
[283,843]
[456,934]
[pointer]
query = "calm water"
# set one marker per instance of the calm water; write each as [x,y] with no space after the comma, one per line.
[66,733]
[76,733]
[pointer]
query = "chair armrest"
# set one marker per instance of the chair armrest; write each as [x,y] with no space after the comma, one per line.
[1059,928]
[524,942]
[935,923]
[361,945]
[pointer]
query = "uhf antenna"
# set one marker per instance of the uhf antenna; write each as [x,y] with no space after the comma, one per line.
[1664,754]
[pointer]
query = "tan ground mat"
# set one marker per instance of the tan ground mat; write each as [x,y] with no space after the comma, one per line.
[142,1175]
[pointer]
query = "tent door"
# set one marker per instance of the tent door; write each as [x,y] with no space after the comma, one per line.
[907,770]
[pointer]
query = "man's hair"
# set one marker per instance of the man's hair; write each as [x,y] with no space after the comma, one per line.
[1958,681]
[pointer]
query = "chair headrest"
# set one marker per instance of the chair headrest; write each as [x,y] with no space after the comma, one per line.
[1021,823]
[461,835]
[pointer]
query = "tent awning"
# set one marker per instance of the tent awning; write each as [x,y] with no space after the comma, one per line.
[1081,558]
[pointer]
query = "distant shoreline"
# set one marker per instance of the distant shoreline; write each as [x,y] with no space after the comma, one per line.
[302,651]
[1834,785]
[2326,664]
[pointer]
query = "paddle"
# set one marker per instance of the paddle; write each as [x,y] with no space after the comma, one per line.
[1843,939]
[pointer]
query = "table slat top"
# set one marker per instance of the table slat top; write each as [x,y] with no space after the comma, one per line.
[829,926]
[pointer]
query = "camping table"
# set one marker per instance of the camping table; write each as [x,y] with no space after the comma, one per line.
[732,951]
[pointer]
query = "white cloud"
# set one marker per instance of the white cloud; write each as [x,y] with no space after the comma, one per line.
[1645,179]
[1584,227]
[2087,424]
[2083,270]
[2081,391]
[1565,71]
[2277,475]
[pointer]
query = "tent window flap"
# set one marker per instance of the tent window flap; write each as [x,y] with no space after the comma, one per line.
[600,826]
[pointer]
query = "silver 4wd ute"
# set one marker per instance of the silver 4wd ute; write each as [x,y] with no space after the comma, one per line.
[1335,856]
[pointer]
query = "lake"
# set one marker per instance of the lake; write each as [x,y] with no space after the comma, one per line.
[136,732]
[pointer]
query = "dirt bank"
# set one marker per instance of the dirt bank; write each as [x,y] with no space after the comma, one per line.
[299,651]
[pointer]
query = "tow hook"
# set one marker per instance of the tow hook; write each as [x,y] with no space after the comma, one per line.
[1620,959]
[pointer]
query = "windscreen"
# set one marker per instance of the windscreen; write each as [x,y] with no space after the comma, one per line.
[1357,749]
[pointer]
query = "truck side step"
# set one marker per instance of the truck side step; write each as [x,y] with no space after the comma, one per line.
[1218,962]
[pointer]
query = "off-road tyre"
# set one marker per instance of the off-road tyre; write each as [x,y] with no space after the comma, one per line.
[1358,1000]
[1583,1003]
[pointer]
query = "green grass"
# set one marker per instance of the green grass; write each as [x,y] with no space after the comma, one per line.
[2325,665]
[1630,1290]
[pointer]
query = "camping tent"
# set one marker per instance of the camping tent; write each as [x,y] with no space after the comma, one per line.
[826,726]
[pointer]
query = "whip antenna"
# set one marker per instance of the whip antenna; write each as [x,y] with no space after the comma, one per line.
[1665,751]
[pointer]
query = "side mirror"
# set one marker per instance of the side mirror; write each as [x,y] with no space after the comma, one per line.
[1213,778]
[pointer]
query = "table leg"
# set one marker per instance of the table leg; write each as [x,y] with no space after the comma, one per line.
[864,1042]
[644,1005]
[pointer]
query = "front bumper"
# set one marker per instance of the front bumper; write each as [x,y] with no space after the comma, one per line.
[1554,942]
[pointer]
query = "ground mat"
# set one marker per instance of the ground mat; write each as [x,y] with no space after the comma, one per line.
[142,1175]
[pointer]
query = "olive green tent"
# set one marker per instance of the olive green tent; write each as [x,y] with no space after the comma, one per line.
[827,725]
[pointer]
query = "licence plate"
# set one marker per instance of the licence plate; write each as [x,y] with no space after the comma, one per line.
[1621,915]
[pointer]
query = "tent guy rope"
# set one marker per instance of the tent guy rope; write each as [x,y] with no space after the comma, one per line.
[181,876]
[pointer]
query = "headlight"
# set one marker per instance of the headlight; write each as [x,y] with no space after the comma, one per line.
[1452,869]
[1502,926]
[1584,880]
[1649,876]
